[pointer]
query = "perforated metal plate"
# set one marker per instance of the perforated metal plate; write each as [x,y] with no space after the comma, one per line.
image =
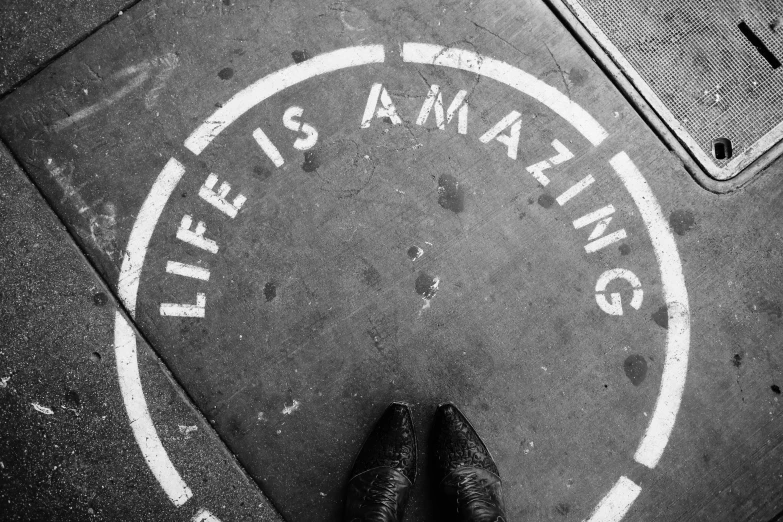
[711,70]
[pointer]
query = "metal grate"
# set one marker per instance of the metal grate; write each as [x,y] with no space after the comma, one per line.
[710,69]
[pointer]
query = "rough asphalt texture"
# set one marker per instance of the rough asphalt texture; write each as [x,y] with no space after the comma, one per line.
[32,32]
[66,451]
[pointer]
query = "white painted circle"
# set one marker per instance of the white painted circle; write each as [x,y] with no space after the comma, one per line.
[618,500]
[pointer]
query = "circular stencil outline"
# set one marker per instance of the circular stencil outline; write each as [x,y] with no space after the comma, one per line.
[618,500]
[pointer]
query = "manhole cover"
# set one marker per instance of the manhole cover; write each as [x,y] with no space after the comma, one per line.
[711,71]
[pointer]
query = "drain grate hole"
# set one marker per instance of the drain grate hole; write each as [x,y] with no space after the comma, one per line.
[721,148]
[756,42]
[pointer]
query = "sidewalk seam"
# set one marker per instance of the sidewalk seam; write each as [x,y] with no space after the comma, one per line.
[180,389]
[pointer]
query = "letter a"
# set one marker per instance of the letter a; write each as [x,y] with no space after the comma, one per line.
[386,110]
[510,140]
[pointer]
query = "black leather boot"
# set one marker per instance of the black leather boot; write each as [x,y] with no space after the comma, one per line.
[468,479]
[384,471]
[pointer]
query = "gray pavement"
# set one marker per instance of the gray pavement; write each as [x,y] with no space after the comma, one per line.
[35,32]
[317,314]
[67,451]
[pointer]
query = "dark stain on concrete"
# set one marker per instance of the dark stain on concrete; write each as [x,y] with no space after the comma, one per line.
[775,388]
[99,299]
[736,360]
[635,367]
[451,194]
[387,119]
[261,172]
[578,76]
[661,317]
[226,2]
[563,509]
[765,306]
[624,250]
[299,56]
[522,215]
[311,161]
[682,221]
[371,277]
[546,201]
[270,291]
[425,285]
[226,73]
[72,399]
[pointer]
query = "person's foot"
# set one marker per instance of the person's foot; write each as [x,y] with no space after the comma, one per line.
[468,479]
[385,470]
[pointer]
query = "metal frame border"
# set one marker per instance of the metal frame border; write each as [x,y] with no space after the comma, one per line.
[651,116]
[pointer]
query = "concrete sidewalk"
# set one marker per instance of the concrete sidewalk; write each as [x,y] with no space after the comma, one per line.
[295,213]
[67,451]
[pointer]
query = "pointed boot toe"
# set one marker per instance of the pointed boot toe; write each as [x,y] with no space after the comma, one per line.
[468,480]
[385,469]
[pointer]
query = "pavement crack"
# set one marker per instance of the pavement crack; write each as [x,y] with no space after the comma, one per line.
[562,73]
[94,73]
[517,49]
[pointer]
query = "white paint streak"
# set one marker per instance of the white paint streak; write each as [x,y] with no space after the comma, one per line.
[101,225]
[185,310]
[515,78]
[187,430]
[218,199]
[141,72]
[275,82]
[268,147]
[42,409]
[140,421]
[616,503]
[288,410]
[204,515]
[167,63]
[77,116]
[149,214]
[675,294]
[578,187]
[186,270]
